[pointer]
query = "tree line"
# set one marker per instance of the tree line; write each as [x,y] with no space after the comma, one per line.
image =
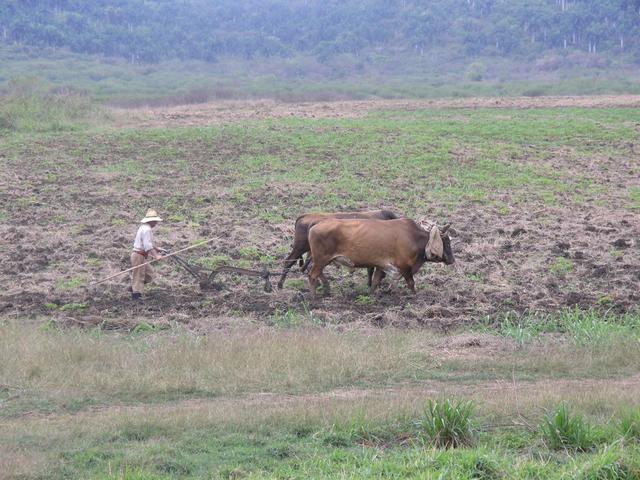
[149,31]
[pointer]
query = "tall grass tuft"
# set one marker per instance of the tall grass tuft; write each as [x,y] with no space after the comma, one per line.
[447,424]
[563,431]
[27,107]
[629,425]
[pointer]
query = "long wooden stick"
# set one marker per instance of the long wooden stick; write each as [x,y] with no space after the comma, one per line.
[151,261]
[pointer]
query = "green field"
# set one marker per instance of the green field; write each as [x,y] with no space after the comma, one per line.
[536,325]
[300,79]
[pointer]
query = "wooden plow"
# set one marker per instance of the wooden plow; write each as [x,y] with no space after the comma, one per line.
[205,276]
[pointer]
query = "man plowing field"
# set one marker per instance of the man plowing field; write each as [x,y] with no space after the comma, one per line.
[378,240]
[143,248]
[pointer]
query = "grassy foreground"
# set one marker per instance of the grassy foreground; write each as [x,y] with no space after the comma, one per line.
[313,403]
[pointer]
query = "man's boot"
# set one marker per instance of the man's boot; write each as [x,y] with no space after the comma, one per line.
[136,296]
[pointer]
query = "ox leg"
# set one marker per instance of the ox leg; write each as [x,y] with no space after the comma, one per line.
[370,275]
[378,275]
[315,274]
[288,263]
[325,285]
[312,286]
[408,277]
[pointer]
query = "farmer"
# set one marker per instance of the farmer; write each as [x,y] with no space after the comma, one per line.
[143,248]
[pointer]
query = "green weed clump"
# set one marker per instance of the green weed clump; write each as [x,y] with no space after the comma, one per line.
[609,464]
[561,266]
[563,430]
[69,284]
[73,307]
[447,424]
[634,196]
[214,261]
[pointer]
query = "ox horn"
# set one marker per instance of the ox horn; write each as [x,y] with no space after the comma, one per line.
[445,228]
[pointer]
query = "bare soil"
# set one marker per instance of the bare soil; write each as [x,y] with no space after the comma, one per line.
[229,111]
[505,261]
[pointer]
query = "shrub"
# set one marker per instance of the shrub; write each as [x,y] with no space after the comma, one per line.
[447,424]
[476,71]
[534,92]
[564,431]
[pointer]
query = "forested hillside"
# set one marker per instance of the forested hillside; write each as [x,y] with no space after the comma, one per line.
[149,31]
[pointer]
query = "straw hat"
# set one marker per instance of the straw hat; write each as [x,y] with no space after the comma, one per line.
[152,216]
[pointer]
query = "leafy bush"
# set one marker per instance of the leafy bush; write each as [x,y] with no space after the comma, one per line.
[447,424]
[564,431]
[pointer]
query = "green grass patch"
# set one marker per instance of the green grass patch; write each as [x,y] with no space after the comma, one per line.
[289,446]
[586,328]
[288,318]
[561,266]
[70,283]
[73,307]
[411,160]
[364,299]
[29,108]
[295,284]
[214,261]
[634,196]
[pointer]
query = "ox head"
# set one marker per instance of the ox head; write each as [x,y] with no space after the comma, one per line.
[439,246]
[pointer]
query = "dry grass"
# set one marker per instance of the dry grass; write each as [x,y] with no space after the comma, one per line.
[49,370]
[73,363]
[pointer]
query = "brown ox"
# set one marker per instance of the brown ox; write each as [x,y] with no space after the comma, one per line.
[305,222]
[395,246]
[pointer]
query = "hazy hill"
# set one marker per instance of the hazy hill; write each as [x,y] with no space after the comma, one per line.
[148,31]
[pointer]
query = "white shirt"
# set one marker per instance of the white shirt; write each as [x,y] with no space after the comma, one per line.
[144,238]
